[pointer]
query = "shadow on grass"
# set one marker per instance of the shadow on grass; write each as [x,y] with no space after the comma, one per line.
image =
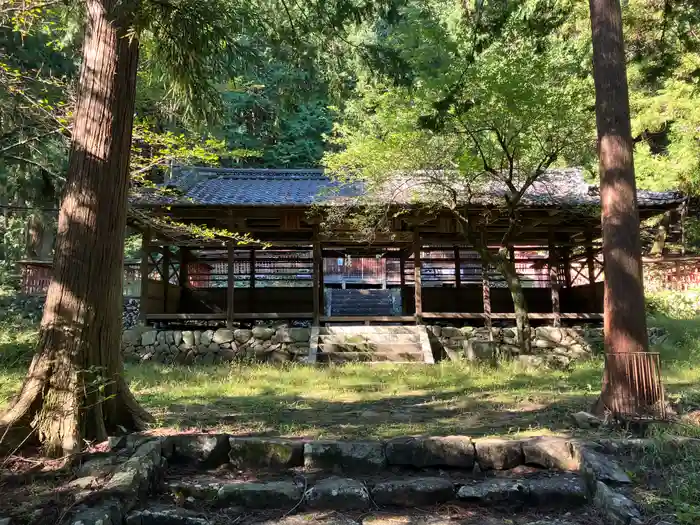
[371,403]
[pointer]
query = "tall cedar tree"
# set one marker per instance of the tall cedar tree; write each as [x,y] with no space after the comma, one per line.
[625,319]
[74,390]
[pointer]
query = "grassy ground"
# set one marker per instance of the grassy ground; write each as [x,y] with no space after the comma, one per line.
[359,401]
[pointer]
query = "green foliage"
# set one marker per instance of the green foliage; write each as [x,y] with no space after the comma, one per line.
[504,112]
[674,304]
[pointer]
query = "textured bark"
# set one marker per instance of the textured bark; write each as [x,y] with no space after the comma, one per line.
[624,318]
[522,323]
[502,262]
[74,389]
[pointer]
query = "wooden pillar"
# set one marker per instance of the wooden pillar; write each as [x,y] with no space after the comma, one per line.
[567,267]
[166,276]
[458,269]
[486,295]
[183,275]
[316,279]
[486,288]
[231,285]
[251,282]
[402,280]
[145,270]
[554,284]
[590,262]
[417,277]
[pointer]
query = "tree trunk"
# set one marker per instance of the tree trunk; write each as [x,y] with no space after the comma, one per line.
[502,262]
[624,318]
[522,322]
[74,390]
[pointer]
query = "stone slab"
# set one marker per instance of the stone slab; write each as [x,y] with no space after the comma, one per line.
[494,491]
[271,494]
[205,450]
[568,489]
[413,492]
[164,515]
[265,453]
[498,454]
[421,452]
[348,456]
[617,508]
[552,453]
[338,494]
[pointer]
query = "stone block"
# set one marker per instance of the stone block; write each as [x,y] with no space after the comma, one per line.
[164,515]
[413,492]
[279,356]
[300,335]
[271,494]
[105,513]
[265,453]
[476,350]
[498,454]
[617,508]
[197,338]
[227,355]
[177,337]
[603,468]
[206,337]
[338,494]
[169,338]
[498,491]
[188,339]
[450,331]
[210,450]
[242,336]
[561,489]
[349,456]
[149,338]
[552,453]
[263,333]
[420,452]
[586,420]
[222,335]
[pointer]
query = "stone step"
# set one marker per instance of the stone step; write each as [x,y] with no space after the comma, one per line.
[372,337]
[359,493]
[374,357]
[365,330]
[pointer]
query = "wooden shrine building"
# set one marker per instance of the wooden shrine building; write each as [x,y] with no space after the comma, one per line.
[292,266]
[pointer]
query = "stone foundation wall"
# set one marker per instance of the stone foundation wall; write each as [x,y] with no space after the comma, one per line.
[130,313]
[263,343]
[551,346]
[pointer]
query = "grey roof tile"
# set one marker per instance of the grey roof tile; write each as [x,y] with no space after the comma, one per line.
[268,187]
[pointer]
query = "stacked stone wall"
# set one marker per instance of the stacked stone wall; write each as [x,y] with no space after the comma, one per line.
[263,343]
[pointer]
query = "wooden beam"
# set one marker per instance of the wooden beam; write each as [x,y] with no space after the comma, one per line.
[223,316]
[417,277]
[538,316]
[316,278]
[145,267]
[231,285]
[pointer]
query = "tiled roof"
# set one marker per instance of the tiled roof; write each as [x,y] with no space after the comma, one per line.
[241,187]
